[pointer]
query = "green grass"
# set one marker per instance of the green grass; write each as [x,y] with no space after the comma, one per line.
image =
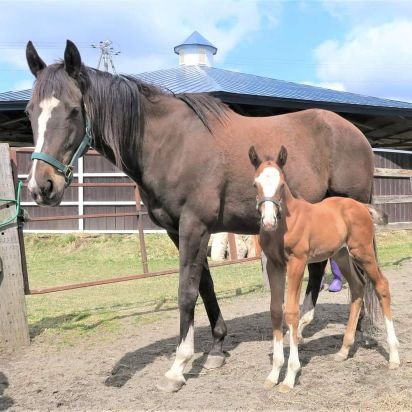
[100,311]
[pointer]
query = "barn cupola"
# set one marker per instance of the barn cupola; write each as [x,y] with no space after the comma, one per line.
[195,50]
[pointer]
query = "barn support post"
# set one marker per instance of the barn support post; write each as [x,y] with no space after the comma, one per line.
[140,227]
[14,330]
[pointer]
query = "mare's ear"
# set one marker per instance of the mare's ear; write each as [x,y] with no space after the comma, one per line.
[282,157]
[72,60]
[36,64]
[254,157]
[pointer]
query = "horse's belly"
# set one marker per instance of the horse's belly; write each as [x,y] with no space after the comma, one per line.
[324,254]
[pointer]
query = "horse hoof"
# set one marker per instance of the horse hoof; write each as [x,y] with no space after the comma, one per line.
[269,384]
[283,388]
[393,365]
[214,361]
[170,385]
[340,357]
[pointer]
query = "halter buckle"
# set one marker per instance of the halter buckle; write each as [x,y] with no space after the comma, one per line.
[68,174]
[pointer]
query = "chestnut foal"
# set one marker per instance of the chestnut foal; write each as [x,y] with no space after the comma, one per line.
[294,233]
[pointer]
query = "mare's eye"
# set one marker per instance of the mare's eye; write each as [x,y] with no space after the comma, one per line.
[74,111]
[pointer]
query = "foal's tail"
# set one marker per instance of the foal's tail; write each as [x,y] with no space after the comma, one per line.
[372,306]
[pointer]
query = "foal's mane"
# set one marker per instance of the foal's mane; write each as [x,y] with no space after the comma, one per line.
[118,105]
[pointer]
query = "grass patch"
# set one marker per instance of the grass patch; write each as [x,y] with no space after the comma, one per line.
[100,311]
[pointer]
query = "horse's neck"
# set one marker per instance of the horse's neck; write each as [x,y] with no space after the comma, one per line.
[156,118]
[290,201]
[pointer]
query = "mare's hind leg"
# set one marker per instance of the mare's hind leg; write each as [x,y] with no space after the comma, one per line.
[365,257]
[295,271]
[276,276]
[316,272]
[357,290]
[216,357]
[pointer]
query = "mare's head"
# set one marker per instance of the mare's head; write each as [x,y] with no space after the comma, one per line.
[58,121]
[269,183]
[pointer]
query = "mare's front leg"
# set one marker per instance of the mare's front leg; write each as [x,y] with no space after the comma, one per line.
[316,272]
[216,357]
[193,240]
[295,271]
[276,275]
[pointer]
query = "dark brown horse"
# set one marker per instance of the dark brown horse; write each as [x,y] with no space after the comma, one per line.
[189,156]
[294,233]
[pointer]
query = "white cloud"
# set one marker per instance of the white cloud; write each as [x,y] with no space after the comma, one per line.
[367,12]
[145,30]
[374,61]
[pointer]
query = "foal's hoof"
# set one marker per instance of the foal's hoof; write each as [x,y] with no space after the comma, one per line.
[393,365]
[340,357]
[170,384]
[283,388]
[214,361]
[269,384]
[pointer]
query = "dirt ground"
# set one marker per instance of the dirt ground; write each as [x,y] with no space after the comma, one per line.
[121,373]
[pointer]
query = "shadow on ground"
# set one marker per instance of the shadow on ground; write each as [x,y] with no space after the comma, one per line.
[251,328]
[72,321]
[5,401]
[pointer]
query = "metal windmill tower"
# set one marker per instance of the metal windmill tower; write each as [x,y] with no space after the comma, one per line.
[106,54]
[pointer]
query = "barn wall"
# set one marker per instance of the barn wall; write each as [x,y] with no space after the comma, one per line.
[93,200]
[398,212]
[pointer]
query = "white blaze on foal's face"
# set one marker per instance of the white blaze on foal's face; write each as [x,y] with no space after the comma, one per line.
[268,182]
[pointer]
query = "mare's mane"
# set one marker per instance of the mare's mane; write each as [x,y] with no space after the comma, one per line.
[118,105]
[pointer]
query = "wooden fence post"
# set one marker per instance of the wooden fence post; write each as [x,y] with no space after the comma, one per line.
[140,227]
[14,330]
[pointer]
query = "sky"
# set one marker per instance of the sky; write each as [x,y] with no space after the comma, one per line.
[360,46]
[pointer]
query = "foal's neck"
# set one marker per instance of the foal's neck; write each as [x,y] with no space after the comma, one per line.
[290,201]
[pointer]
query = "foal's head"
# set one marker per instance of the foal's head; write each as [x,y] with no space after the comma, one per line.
[269,183]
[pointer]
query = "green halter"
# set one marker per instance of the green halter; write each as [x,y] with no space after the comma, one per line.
[67,170]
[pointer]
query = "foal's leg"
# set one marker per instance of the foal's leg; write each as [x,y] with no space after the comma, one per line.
[193,239]
[357,289]
[316,272]
[295,271]
[276,276]
[216,357]
[366,258]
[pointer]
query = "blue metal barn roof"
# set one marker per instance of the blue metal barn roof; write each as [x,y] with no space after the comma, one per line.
[196,79]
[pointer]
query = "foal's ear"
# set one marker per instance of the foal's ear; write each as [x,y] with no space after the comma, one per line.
[254,157]
[72,60]
[33,59]
[282,156]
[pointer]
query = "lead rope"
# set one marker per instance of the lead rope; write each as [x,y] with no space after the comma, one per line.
[15,201]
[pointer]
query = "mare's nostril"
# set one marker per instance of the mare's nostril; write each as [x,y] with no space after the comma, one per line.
[50,184]
[47,188]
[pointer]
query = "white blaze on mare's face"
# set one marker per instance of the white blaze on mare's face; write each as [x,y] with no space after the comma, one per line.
[268,180]
[47,105]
